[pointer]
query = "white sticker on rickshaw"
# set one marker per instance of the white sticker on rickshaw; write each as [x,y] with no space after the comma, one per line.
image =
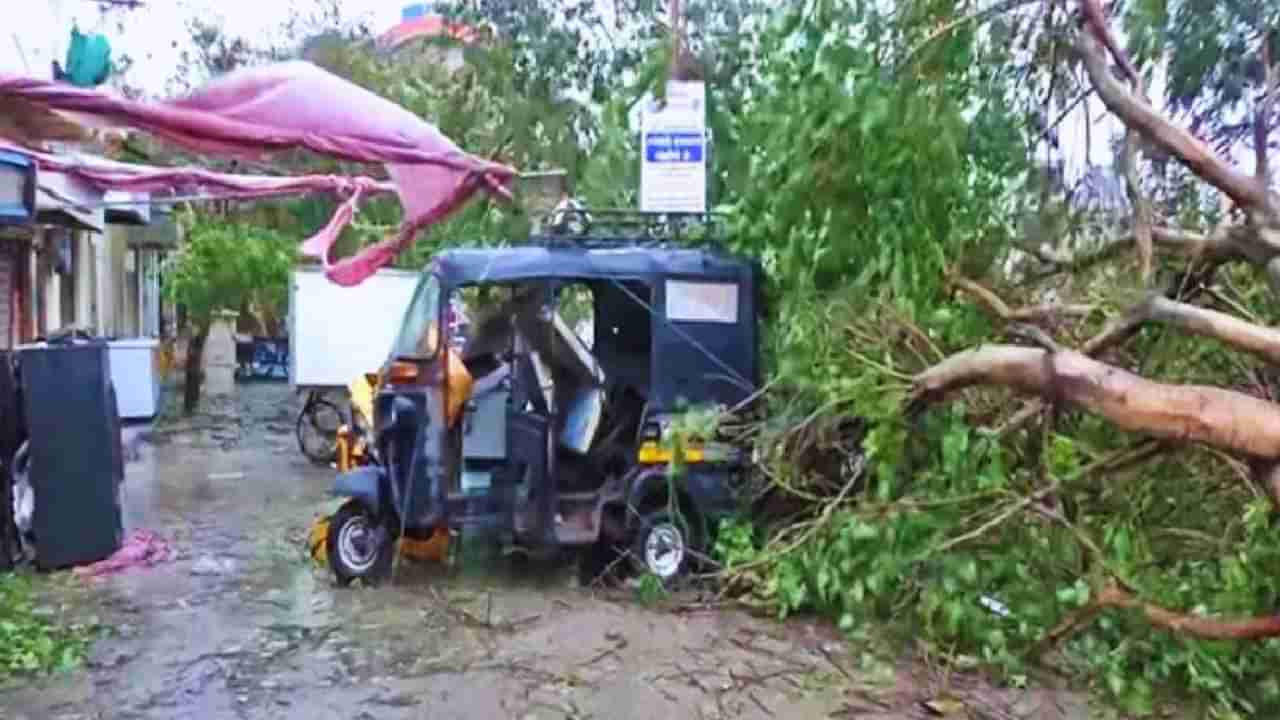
[702,301]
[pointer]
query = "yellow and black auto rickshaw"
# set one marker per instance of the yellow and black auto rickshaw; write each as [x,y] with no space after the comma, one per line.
[549,425]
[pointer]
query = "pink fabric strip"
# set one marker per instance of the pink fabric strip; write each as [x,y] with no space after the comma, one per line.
[109,175]
[256,111]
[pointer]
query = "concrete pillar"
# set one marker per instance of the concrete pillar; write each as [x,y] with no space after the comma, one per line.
[119,293]
[52,295]
[132,312]
[34,301]
[103,287]
[86,270]
[220,355]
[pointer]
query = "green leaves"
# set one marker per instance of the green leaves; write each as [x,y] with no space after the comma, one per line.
[1075,595]
[226,264]
[31,640]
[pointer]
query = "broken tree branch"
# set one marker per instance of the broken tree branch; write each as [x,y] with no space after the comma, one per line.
[1257,340]
[985,297]
[1268,476]
[1225,419]
[1008,512]
[1262,117]
[1032,313]
[1117,331]
[1096,21]
[1142,220]
[1216,246]
[999,8]
[1035,335]
[1208,628]
[1138,115]
[1141,207]
[993,304]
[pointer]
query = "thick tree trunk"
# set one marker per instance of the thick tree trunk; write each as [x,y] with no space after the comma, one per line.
[194,369]
[1228,420]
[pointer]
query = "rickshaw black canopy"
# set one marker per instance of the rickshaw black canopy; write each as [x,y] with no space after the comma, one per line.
[690,361]
[501,265]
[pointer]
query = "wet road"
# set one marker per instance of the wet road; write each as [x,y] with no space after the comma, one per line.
[240,625]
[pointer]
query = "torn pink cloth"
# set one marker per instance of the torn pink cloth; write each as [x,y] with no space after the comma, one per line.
[255,111]
[142,548]
[110,175]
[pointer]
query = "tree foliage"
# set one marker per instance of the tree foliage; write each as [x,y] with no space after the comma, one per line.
[227,265]
[32,642]
[889,172]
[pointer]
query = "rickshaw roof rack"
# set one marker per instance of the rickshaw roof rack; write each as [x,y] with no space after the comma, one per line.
[580,227]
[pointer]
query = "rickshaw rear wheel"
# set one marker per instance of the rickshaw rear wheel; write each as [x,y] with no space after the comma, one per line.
[353,545]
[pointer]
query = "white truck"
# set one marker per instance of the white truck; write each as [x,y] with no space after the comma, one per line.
[337,333]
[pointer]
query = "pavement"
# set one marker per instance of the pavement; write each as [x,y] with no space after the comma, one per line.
[241,624]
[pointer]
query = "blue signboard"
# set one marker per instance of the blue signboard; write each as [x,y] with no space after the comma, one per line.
[17,189]
[673,147]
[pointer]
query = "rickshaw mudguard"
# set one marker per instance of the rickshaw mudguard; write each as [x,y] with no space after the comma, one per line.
[705,487]
[363,484]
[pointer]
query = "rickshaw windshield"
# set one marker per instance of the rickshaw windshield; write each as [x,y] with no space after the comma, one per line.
[419,336]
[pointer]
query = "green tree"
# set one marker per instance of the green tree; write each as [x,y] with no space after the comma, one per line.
[890,194]
[224,264]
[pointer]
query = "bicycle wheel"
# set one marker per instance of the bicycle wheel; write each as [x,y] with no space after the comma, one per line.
[318,431]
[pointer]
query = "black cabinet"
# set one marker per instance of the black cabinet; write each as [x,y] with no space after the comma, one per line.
[76,458]
[10,439]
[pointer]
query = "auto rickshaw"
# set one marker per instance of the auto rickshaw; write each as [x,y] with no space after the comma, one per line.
[550,441]
[354,450]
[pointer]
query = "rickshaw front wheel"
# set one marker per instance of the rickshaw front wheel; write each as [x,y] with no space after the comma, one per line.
[356,548]
[664,545]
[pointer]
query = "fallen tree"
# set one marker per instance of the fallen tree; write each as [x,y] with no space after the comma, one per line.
[1066,401]
[1228,420]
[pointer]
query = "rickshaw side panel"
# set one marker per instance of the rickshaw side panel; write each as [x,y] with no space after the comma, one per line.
[700,359]
[707,488]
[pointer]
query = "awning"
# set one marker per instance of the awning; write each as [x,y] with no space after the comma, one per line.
[127,208]
[17,188]
[65,200]
[161,233]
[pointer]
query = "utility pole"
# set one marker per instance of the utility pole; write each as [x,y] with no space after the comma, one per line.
[675,15]
[684,66]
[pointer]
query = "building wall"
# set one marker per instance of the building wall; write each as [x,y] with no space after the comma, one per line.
[12,255]
[62,300]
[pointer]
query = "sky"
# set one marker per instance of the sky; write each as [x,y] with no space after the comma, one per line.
[40,34]
[155,35]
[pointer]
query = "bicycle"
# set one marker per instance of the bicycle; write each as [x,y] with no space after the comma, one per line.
[317,428]
[270,355]
[262,358]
